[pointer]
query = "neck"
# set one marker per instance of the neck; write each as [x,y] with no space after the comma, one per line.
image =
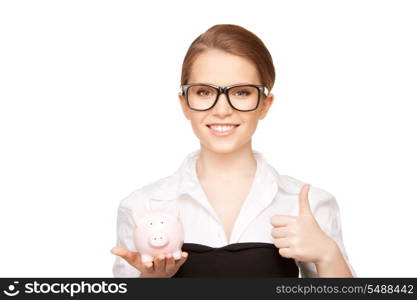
[214,166]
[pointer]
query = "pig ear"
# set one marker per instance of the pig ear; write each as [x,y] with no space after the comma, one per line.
[173,210]
[138,215]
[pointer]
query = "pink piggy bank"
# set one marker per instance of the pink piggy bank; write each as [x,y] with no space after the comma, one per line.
[158,231]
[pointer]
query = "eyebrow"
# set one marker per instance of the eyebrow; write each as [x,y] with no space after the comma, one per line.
[203,82]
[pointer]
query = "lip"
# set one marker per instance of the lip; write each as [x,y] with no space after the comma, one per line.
[224,133]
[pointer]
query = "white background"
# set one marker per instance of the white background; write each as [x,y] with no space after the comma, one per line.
[89,112]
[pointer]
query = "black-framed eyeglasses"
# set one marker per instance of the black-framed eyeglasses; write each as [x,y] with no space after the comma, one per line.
[241,97]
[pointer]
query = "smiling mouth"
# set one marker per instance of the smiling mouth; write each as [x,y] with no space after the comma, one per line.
[222,129]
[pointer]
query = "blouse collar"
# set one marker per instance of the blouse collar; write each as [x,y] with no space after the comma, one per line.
[185,182]
[264,186]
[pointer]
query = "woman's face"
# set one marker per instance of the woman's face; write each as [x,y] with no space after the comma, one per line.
[221,68]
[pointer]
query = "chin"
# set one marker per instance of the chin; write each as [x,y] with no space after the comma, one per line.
[222,148]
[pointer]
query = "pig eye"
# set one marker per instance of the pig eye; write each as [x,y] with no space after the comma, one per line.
[150,223]
[162,222]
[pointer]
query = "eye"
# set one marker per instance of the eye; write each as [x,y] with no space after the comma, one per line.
[203,93]
[150,223]
[242,93]
[162,222]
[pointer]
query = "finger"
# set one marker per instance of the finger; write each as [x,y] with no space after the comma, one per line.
[169,263]
[131,257]
[282,242]
[160,263]
[281,220]
[149,267]
[183,258]
[286,252]
[304,205]
[122,252]
[281,232]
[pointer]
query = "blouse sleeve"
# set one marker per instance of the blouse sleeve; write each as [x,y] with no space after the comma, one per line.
[125,226]
[327,214]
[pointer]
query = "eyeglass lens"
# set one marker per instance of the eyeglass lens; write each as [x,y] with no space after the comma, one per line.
[241,97]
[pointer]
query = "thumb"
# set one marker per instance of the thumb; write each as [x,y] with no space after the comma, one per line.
[129,256]
[304,204]
[133,258]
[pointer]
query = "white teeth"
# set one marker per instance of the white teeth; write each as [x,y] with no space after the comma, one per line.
[221,128]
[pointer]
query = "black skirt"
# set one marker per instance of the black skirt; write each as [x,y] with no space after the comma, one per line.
[249,259]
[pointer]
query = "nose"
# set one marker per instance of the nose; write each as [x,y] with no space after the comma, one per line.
[222,106]
[158,239]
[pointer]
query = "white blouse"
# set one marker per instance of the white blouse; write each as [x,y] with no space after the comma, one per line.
[270,194]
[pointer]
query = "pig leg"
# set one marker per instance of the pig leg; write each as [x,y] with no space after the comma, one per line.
[146,258]
[177,254]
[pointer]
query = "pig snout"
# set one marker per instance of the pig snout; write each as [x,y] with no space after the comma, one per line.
[158,239]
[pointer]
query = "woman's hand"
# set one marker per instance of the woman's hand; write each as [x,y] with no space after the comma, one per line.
[162,266]
[301,237]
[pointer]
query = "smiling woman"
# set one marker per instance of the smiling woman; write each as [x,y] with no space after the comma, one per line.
[240,216]
[231,56]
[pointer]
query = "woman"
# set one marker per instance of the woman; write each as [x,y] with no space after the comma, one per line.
[240,217]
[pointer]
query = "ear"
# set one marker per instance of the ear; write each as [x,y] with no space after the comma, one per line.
[184,106]
[139,215]
[174,211]
[266,104]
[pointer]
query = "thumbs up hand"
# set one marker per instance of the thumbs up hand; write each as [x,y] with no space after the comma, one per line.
[300,237]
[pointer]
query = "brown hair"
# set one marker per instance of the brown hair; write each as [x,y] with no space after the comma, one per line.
[235,40]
